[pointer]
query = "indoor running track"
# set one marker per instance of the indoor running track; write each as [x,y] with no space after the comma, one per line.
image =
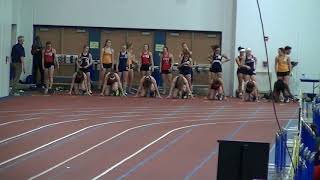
[67,137]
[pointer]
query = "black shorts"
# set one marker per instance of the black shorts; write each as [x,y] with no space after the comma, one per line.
[216,70]
[250,72]
[283,74]
[85,70]
[145,67]
[122,68]
[107,66]
[241,70]
[165,72]
[48,65]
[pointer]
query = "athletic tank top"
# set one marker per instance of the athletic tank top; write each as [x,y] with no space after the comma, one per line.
[145,58]
[107,56]
[48,56]
[165,62]
[85,60]
[283,64]
[216,59]
[251,63]
[123,59]
[185,61]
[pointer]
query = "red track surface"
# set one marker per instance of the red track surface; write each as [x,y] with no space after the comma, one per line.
[65,137]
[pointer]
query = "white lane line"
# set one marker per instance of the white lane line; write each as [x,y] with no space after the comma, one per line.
[130,129]
[64,137]
[150,144]
[49,125]
[62,122]
[16,121]
[101,114]
[52,142]
[39,128]
[138,108]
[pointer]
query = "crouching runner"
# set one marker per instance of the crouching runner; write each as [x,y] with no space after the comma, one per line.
[148,87]
[79,84]
[215,89]
[112,85]
[180,88]
[250,91]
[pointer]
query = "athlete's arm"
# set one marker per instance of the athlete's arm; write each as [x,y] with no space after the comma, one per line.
[238,61]
[210,57]
[55,58]
[172,86]
[117,63]
[226,59]
[140,62]
[172,61]
[152,63]
[156,86]
[191,62]
[134,59]
[101,56]
[90,61]
[289,64]
[112,51]
[276,64]
[43,59]
[160,62]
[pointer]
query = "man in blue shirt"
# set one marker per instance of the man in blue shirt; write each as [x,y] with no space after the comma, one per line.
[17,60]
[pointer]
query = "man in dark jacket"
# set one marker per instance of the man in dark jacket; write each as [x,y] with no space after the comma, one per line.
[17,62]
[36,51]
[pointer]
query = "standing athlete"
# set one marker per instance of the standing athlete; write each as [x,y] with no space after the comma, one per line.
[283,66]
[216,61]
[146,61]
[48,62]
[106,61]
[84,64]
[123,66]
[131,62]
[166,65]
[241,71]
[250,64]
[185,66]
